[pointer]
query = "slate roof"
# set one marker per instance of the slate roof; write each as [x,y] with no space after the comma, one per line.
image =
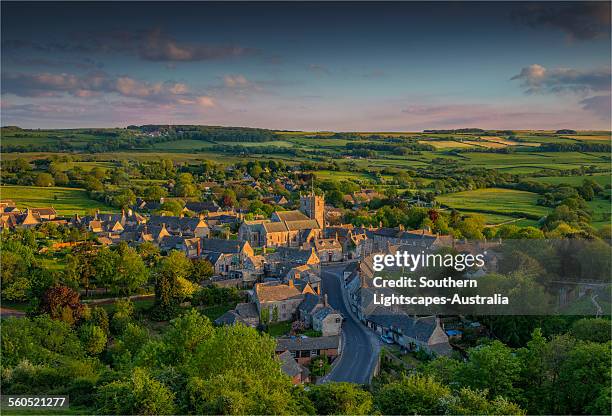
[229,318]
[309,303]
[323,312]
[311,343]
[171,242]
[294,254]
[247,310]
[288,364]
[209,206]
[418,328]
[174,222]
[220,245]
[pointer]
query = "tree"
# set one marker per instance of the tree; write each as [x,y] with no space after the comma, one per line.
[592,329]
[62,303]
[202,269]
[475,402]
[583,375]
[172,270]
[138,394]
[17,264]
[493,367]
[235,371]
[130,271]
[155,193]
[340,399]
[61,179]
[93,338]
[412,395]
[44,179]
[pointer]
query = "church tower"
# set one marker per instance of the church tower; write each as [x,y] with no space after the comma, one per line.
[314,207]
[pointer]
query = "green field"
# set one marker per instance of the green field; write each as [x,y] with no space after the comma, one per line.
[496,201]
[69,201]
[603,179]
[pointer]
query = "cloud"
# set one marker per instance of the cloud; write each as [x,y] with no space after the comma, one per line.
[598,105]
[152,45]
[579,20]
[156,46]
[232,81]
[99,83]
[536,79]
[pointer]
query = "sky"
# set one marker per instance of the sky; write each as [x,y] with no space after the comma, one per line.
[346,66]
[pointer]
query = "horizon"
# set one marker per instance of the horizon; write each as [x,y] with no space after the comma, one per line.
[364,66]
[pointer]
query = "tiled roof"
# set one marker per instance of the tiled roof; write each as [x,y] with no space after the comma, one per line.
[307,224]
[275,227]
[290,216]
[267,293]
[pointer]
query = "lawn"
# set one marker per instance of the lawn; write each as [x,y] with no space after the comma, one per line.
[279,329]
[66,201]
[496,201]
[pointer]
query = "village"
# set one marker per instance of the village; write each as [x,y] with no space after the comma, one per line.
[279,263]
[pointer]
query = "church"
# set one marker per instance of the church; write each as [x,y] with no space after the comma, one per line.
[287,228]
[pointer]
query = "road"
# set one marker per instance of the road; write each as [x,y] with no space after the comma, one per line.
[360,346]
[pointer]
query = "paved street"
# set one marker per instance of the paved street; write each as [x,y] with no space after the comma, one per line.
[361,347]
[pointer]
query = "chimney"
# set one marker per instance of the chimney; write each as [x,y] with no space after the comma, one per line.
[325,300]
[199,247]
[291,283]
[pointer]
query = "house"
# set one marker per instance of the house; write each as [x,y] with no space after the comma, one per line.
[303,350]
[189,227]
[328,249]
[284,259]
[307,308]
[303,276]
[327,320]
[226,256]
[45,213]
[280,301]
[244,313]
[412,333]
[290,367]
[28,219]
[379,239]
[200,207]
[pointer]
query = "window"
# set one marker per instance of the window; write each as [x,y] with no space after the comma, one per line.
[338,320]
[314,353]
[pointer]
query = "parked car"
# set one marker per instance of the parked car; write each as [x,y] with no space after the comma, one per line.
[387,339]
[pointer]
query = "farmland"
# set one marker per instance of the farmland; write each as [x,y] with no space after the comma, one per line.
[66,201]
[496,201]
[369,159]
